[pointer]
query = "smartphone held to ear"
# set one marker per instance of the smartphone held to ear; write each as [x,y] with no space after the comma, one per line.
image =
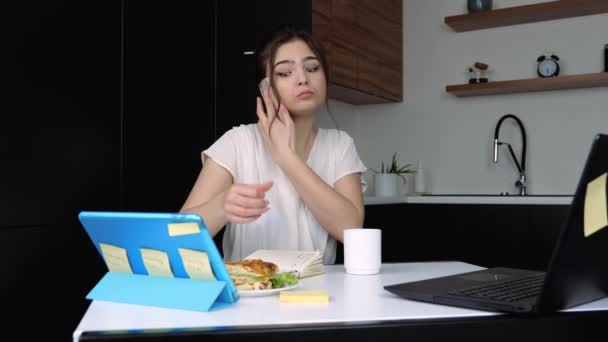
[264,85]
[267,93]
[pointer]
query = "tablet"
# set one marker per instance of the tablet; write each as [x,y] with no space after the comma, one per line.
[146,243]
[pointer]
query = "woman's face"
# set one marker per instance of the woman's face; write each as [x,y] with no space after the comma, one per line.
[299,78]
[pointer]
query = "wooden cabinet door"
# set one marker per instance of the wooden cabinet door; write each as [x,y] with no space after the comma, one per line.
[379,48]
[363,40]
[342,42]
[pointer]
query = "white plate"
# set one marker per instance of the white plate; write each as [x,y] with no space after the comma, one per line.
[269,292]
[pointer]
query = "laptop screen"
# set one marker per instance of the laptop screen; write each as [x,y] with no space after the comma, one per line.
[576,272]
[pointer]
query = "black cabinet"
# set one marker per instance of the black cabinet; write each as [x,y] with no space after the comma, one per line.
[169,100]
[243,26]
[545,225]
[59,154]
[487,235]
[108,107]
[190,74]
[47,273]
[60,130]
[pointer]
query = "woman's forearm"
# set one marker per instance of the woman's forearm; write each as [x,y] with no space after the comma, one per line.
[333,210]
[212,213]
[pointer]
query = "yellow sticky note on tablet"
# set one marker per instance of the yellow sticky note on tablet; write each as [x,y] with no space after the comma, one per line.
[116,258]
[183,228]
[196,264]
[596,208]
[156,262]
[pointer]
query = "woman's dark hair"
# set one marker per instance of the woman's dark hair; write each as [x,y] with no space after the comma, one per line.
[286,34]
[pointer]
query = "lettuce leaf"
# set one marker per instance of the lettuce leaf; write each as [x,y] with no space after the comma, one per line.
[284,279]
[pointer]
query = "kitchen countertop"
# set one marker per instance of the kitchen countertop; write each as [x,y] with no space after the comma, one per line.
[471,199]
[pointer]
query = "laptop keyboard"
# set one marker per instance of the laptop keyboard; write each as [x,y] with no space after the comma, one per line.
[508,290]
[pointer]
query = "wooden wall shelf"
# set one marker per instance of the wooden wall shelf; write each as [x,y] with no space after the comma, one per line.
[526,14]
[530,85]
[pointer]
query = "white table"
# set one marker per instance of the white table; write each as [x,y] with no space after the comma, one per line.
[353,298]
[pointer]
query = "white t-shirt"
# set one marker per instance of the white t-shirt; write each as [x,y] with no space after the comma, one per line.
[288,224]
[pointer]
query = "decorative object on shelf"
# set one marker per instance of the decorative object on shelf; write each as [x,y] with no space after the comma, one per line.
[478,73]
[548,66]
[388,180]
[606,58]
[479,5]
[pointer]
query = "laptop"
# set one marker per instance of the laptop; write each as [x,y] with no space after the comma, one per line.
[577,271]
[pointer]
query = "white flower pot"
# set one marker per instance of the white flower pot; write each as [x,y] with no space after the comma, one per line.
[387,184]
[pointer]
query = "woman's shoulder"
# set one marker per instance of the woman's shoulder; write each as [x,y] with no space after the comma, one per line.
[244,128]
[243,132]
[335,136]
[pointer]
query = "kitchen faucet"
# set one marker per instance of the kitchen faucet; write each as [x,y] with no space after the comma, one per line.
[521,167]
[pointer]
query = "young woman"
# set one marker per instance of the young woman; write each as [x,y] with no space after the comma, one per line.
[282,183]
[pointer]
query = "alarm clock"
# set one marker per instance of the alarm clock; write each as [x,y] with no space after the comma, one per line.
[548,66]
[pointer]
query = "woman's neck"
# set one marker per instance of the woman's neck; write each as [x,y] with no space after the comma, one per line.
[306,132]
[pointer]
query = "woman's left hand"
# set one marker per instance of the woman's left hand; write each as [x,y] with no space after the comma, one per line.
[276,127]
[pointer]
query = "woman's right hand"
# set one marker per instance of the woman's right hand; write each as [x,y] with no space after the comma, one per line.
[244,203]
[275,123]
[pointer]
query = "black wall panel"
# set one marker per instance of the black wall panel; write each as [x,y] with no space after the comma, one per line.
[60,131]
[109,105]
[243,26]
[169,76]
[60,153]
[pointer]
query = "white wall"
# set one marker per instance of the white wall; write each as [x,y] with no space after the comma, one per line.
[453,136]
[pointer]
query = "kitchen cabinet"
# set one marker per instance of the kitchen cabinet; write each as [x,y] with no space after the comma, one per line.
[109,107]
[169,100]
[363,41]
[188,79]
[482,234]
[111,103]
[240,33]
[60,153]
[364,44]
[59,146]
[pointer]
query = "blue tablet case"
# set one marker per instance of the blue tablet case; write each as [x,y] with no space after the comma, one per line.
[134,230]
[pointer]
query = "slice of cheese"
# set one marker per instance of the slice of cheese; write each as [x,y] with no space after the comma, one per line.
[316,296]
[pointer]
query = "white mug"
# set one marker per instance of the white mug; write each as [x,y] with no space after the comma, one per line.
[362,250]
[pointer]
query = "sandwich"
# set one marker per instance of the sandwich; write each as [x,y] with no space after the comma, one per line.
[256,274]
[251,274]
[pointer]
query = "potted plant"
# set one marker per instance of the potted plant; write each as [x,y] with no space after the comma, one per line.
[387,180]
